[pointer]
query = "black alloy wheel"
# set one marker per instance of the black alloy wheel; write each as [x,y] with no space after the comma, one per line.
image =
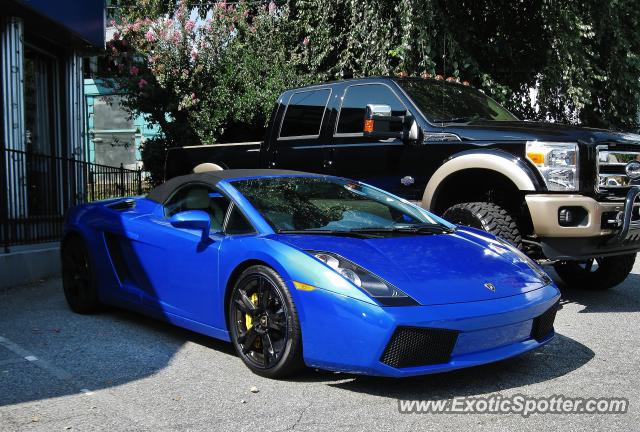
[264,323]
[77,278]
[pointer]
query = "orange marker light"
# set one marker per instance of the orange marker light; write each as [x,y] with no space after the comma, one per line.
[303,286]
[536,158]
[368,125]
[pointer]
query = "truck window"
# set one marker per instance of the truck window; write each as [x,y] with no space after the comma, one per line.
[355,100]
[304,113]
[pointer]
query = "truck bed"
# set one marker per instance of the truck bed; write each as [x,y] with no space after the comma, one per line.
[182,160]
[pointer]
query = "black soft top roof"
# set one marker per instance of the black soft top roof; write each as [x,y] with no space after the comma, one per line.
[161,193]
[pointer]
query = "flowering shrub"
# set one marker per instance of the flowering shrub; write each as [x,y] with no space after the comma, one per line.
[202,79]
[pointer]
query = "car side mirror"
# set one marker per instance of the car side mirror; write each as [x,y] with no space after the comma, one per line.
[379,123]
[194,220]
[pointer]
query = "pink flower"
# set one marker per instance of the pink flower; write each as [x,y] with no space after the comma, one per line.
[120,67]
[190,25]
[272,8]
[176,37]
[116,36]
[134,70]
[194,97]
[306,41]
[142,83]
[113,23]
[136,26]
[150,35]
[194,54]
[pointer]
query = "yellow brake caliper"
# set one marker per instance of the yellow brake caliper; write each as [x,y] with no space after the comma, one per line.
[247,318]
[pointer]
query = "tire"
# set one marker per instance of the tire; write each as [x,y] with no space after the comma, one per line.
[607,272]
[78,279]
[488,217]
[263,323]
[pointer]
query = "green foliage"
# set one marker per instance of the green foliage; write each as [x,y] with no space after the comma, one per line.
[202,80]
[583,57]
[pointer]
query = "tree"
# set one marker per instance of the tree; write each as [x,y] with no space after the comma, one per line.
[215,77]
[582,57]
[201,80]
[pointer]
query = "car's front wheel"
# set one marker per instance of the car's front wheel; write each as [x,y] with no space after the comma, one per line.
[263,323]
[595,273]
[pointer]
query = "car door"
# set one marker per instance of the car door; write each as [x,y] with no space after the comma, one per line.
[302,135]
[384,163]
[178,270]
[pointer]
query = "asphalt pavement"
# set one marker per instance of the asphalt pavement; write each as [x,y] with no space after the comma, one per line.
[118,371]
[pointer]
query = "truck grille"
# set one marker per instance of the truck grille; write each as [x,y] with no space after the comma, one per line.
[612,161]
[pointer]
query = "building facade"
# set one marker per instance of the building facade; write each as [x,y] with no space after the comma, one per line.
[113,136]
[43,126]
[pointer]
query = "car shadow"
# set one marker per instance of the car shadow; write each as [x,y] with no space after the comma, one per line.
[622,298]
[560,357]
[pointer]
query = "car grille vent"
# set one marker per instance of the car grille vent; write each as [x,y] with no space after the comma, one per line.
[414,346]
[543,324]
[123,205]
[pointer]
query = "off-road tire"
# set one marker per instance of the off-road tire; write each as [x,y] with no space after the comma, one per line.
[488,217]
[610,272]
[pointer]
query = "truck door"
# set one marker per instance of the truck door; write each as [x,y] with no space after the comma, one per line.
[299,142]
[388,164]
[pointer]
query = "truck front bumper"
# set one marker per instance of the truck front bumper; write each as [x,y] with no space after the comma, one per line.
[598,228]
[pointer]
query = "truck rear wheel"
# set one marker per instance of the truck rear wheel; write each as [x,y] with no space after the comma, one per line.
[595,274]
[486,216]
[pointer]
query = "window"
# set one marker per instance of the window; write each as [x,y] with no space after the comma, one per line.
[200,197]
[356,99]
[444,102]
[318,203]
[237,223]
[303,116]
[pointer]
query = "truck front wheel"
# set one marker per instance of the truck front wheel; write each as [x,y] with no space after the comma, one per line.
[596,273]
[486,216]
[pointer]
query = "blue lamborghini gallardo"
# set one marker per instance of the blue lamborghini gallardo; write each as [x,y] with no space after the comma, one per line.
[302,269]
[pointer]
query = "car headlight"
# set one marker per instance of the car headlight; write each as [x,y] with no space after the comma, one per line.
[556,162]
[375,286]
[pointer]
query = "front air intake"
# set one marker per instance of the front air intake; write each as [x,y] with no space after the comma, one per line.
[415,346]
[543,324]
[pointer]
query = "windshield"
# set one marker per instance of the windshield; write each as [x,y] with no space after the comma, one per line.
[332,204]
[443,102]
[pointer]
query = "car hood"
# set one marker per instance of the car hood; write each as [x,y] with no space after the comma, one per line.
[433,269]
[541,131]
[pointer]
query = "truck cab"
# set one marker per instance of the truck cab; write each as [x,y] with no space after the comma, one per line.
[563,194]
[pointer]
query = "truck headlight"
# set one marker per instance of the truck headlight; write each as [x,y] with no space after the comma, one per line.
[376,287]
[557,163]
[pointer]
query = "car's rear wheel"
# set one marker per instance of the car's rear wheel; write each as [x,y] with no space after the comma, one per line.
[78,279]
[595,274]
[488,217]
[263,323]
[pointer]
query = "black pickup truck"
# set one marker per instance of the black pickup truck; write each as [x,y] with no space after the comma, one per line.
[561,193]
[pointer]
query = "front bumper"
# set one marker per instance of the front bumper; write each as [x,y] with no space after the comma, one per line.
[347,335]
[594,234]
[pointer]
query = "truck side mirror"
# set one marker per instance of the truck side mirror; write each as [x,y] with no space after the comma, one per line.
[379,123]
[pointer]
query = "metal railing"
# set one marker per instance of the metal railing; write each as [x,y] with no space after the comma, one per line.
[36,190]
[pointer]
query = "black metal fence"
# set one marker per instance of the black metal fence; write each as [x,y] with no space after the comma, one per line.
[36,190]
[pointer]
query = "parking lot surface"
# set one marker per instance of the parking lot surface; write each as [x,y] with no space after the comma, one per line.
[120,371]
